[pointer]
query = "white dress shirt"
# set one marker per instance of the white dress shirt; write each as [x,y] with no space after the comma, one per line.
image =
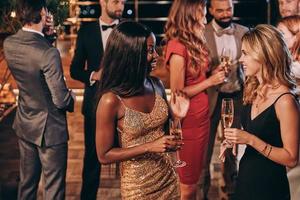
[224,41]
[227,41]
[33,31]
[104,35]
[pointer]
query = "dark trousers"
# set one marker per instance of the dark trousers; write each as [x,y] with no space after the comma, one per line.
[229,167]
[91,165]
[51,161]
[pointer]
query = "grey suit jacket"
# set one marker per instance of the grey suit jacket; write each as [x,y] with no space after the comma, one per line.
[211,43]
[43,95]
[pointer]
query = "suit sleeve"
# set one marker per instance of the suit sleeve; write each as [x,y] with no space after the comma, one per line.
[54,77]
[77,68]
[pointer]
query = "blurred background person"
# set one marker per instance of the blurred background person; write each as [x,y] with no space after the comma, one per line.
[187,59]
[290,27]
[289,7]
[222,34]
[270,117]
[40,121]
[85,67]
[134,106]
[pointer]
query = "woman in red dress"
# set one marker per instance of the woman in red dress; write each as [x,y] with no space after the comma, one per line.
[186,57]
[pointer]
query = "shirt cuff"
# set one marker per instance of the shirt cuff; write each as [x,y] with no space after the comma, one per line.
[92,81]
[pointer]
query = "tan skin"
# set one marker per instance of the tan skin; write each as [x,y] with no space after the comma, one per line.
[177,74]
[287,113]
[110,110]
[177,78]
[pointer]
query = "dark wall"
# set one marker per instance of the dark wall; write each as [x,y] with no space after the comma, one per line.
[154,13]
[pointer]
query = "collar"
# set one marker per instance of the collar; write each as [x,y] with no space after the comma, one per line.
[116,21]
[219,31]
[32,30]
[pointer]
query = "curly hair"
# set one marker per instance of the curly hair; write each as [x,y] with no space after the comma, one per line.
[266,45]
[185,23]
[292,23]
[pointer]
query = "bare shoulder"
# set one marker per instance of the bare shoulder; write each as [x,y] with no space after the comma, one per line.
[287,102]
[109,100]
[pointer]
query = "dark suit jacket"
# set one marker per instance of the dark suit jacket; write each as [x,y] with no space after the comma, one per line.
[43,95]
[87,58]
[211,43]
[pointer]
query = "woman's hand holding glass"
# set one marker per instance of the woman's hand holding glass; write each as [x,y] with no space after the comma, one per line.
[237,136]
[179,104]
[227,116]
[164,144]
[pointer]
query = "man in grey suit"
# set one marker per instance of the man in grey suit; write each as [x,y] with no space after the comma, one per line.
[222,33]
[44,98]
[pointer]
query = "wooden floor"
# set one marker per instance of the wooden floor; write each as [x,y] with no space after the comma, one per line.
[109,187]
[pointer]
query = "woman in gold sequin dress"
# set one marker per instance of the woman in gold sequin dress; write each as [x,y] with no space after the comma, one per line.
[133,104]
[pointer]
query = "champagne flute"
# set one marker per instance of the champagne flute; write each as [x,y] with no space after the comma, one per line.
[175,129]
[227,115]
[226,59]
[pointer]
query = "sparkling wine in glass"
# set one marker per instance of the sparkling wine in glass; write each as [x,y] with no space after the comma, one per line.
[227,114]
[226,61]
[175,129]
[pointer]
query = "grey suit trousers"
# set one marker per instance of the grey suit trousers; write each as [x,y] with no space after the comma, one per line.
[49,161]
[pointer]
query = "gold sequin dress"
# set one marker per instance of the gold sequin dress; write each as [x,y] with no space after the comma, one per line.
[150,176]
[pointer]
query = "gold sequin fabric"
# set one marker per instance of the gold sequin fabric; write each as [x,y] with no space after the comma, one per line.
[150,176]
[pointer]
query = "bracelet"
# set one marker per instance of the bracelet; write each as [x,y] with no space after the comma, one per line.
[265,148]
[269,151]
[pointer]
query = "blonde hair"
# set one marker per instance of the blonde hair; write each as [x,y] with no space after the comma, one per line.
[266,45]
[292,23]
[185,23]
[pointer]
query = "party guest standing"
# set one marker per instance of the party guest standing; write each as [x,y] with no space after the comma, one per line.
[133,105]
[187,58]
[85,67]
[270,117]
[40,121]
[290,27]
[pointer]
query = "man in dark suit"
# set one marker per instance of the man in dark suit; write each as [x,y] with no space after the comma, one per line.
[221,33]
[85,67]
[44,98]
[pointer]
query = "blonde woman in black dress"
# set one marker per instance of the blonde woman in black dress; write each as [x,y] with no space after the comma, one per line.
[270,117]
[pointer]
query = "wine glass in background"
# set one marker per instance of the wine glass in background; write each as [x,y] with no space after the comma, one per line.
[227,114]
[175,129]
[226,60]
[49,29]
[49,26]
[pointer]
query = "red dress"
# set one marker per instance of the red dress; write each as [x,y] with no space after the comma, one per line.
[195,125]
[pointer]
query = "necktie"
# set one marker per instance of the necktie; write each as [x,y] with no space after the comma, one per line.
[105,27]
[221,32]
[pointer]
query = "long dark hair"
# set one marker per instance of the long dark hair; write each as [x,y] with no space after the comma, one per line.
[124,62]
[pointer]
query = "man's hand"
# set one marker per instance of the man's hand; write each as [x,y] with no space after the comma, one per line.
[96,75]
